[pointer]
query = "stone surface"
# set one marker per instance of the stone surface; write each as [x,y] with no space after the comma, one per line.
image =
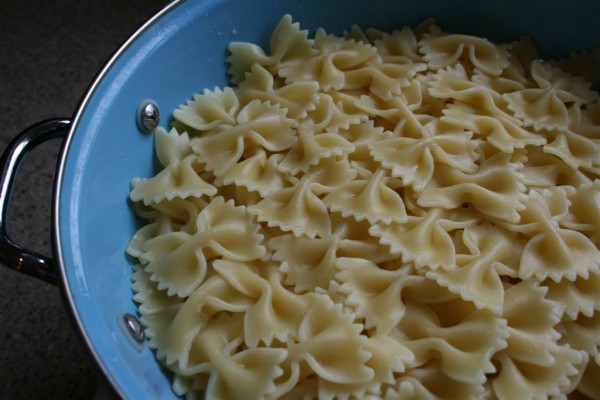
[49,54]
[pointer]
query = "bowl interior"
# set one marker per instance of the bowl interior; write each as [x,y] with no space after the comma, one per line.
[180,52]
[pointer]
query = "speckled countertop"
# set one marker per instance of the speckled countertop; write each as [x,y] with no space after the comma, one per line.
[49,54]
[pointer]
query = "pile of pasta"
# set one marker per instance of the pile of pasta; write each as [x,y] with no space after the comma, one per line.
[404,215]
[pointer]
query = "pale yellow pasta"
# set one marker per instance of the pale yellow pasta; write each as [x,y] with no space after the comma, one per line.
[400,44]
[585,122]
[256,173]
[311,148]
[179,179]
[553,252]
[533,350]
[442,50]
[402,215]
[373,199]
[290,46]
[298,97]
[502,133]
[492,253]
[362,136]
[335,58]
[414,160]
[209,110]
[545,106]
[257,124]
[453,84]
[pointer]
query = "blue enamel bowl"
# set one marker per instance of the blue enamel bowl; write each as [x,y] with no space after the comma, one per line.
[181,51]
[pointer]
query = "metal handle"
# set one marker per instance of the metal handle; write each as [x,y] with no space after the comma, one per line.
[11,254]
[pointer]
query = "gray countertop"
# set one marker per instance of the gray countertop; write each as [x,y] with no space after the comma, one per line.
[49,54]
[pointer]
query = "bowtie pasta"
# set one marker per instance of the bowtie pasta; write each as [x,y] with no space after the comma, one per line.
[404,215]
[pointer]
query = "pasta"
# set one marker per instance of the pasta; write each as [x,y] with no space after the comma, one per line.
[403,215]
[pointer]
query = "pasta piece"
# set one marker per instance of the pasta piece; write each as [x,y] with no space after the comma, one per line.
[171,146]
[383,80]
[372,199]
[520,299]
[577,297]
[298,97]
[453,83]
[249,372]
[356,33]
[500,132]
[543,170]
[354,240]
[585,64]
[135,247]
[306,263]
[311,148]
[576,151]
[533,364]
[297,209]
[256,173]
[431,383]
[413,160]
[304,197]
[156,308]
[553,252]
[477,278]
[512,79]
[361,136]
[545,107]
[494,190]
[419,98]
[332,345]
[397,113]
[398,45]
[335,56]
[585,122]
[525,53]
[181,214]
[326,331]
[584,211]
[330,173]
[525,381]
[259,124]
[179,179]
[439,326]
[209,110]
[388,356]
[443,50]
[425,240]
[178,326]
[583,334]
[374,293]
[309,264]
[290,46]
[239,195]
[178,261]
[274,313]
[331,116]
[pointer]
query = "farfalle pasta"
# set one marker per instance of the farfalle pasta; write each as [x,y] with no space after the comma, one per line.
[411,214]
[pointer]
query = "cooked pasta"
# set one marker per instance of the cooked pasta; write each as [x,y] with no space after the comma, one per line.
[405,215]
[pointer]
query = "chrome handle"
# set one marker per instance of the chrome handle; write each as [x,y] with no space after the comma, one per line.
[11,254]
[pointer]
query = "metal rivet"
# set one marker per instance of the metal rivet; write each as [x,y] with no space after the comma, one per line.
[134,327]
[148,115]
